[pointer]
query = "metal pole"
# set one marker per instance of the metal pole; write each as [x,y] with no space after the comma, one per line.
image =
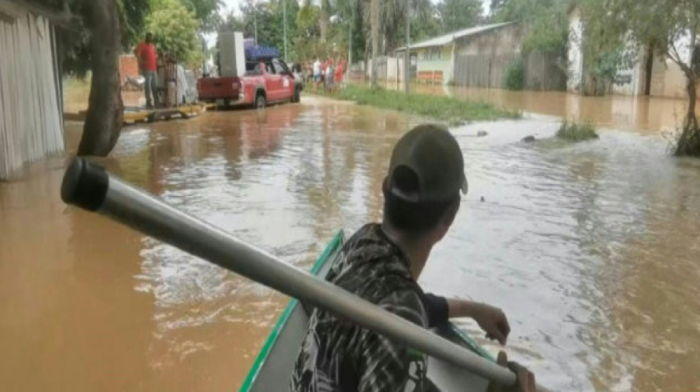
[90,187]
[284,21]
[406,56]
[352,22]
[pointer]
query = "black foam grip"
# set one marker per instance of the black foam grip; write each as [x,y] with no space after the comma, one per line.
[84,184]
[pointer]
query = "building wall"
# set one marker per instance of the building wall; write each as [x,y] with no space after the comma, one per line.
[128,66]
[31,126]
[388,68]
[667,80]
[574,53]
[483,61]
[437,59]
[630,75]
[500,41]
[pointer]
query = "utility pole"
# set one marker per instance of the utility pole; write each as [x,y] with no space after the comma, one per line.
[352,23]
[407,54]
[284,21]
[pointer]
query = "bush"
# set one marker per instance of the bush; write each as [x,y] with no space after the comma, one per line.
[515,75]
[577,131]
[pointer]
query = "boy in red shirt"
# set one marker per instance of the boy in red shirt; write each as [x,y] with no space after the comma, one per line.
[147,57]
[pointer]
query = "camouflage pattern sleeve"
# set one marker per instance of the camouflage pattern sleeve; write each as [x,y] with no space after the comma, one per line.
[389,365]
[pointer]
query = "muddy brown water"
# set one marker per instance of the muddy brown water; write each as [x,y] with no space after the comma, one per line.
[591,249]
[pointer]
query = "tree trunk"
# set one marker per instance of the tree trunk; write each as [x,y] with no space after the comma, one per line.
[105,108]
[323,20]
[689,141]
[374,27]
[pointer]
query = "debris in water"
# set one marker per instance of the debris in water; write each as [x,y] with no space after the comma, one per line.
[481,133]
[529,139]
[456,122]
[482,199]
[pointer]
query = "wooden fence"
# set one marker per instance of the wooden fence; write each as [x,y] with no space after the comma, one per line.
[543,71]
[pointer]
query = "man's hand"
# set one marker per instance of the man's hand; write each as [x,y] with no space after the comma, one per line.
[525,378]
[493,321]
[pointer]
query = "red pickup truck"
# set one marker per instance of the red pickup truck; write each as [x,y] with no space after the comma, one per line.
[264,82]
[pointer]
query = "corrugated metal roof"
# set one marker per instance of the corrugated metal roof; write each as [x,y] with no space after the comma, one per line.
[449,38]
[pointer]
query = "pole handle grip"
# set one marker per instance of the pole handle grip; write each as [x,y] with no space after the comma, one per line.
[85,185]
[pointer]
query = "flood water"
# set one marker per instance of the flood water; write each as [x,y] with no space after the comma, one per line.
[591,249]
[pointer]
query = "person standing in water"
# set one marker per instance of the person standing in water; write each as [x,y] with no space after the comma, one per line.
[381,263]
[147,57]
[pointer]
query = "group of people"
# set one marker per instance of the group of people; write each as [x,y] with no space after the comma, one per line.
[329,73]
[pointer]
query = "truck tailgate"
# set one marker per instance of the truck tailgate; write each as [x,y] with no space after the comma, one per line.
[217,88]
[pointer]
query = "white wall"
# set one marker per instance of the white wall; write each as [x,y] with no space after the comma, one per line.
[574,52]
[628,80]
[394,68]
[31,125]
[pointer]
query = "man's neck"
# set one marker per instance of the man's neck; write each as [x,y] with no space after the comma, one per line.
[416,248]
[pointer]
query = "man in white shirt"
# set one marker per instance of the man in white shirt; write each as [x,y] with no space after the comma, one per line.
[317,72]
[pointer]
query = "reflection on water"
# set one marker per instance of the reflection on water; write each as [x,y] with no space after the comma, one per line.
[591,249]
[642,114]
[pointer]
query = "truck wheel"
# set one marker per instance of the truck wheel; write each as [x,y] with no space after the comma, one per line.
[297,95]
[260,101]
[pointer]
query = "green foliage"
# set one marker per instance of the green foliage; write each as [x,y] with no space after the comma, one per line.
[663,24]
[577,132]
[174,31]
[671,29]
[269,19]
[452,110]
[424,27]
[134,18]
[392,17]
[75,42]
[603,46]
[545,22]
[206,12]
[459,14]
[515,75]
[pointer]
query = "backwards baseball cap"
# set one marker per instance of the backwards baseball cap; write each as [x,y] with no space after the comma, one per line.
[426,166]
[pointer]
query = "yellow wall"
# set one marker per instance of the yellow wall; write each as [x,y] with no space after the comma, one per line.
[444,63]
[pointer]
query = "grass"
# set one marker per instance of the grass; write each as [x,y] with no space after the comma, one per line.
[451,110]
[576,132]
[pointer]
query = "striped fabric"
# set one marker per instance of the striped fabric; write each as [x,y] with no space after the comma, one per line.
[337,355]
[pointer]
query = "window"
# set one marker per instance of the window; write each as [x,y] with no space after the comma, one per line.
[253,69]
[280,69]
[435,54]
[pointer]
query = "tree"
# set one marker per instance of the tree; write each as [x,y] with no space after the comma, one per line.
[392,19]
[206,12]
[671,28]
[496,6]
[425,26]
[174,31]
[135,12]
[99,30]
[105,114]
[545,20]
[459,14]
[374,27]
[324,19]
[603,47]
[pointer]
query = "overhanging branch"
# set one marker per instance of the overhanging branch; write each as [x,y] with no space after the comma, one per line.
[63,18]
